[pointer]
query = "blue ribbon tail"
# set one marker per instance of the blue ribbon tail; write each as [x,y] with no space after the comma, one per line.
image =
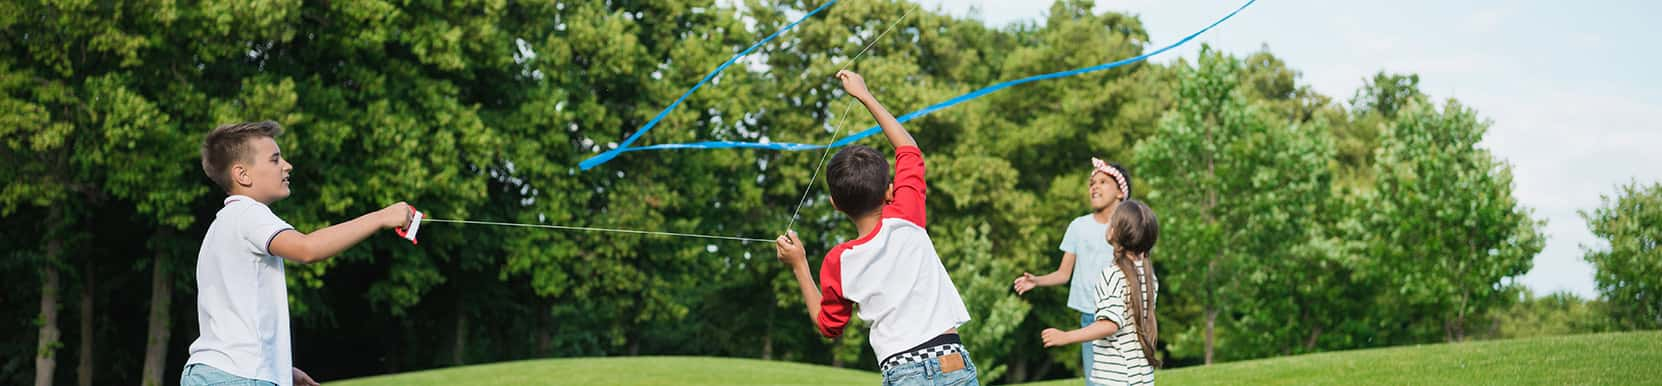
[599,159]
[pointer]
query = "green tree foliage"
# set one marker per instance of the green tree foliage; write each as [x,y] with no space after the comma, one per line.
[1444,228]
[1559,313]
[1244,197]
[1629,271]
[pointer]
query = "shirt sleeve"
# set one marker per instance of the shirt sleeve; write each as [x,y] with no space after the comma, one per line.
[1070,239]
[260,226]
[910,189]
[1110,297]
[834,309]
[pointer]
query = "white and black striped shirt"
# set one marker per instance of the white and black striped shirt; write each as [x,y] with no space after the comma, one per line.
[1118,359]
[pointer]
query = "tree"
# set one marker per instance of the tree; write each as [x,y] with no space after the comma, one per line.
[1445,227]
[1241,190]
[1629,271]
[1372,108]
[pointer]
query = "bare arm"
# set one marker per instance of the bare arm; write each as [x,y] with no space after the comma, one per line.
[328,242]
[856,87]
[810,292]
[1063,272]
[789,250]
[1097,330]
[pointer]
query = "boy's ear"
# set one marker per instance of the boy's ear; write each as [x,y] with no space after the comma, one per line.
[888,195]
[834,203]
[239,175]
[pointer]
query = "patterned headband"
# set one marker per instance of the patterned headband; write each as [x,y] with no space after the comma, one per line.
[1103,167]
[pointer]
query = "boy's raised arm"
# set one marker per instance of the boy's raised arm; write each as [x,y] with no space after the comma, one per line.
[856,87]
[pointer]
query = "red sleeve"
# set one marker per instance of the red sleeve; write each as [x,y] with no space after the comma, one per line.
[909,187]
[834,309]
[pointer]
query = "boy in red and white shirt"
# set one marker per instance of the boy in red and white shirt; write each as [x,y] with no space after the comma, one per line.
[891,270]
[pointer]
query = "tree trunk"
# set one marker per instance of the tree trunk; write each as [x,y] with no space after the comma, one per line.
[1211,320]
[1211,266]
[837,360]
[1460,327]
[767,335]
[84,370]
[1315,334]
[461,332]
[1018,369]
[1211,308]
[395,352]
[545,343]
[46,351]
[161,320]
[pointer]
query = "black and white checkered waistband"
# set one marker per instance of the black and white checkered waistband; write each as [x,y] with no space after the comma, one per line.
[920,355]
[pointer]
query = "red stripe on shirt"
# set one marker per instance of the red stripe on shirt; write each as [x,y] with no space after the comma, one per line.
[834,309]
[910,189]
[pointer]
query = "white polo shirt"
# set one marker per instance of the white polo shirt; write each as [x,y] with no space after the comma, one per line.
[242,302]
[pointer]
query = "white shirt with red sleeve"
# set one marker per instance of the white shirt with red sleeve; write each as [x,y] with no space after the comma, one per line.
[893,273]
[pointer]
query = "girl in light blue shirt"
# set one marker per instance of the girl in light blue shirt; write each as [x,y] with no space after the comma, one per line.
[1085,247]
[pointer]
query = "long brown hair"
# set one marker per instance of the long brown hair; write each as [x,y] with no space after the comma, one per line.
[1133,231]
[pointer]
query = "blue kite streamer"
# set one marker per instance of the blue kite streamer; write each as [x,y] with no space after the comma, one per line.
[607,156]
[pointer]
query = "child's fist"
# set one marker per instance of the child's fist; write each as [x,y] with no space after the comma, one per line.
[853,84]
[397,215]
[789,249]
[1054,337]
[300,378]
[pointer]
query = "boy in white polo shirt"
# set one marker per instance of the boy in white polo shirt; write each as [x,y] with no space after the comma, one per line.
[891,270]
[242,298]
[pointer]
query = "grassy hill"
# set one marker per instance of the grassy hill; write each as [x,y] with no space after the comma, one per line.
[1617,358]
[627,371]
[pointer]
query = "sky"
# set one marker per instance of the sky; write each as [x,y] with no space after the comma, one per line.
[1566,84]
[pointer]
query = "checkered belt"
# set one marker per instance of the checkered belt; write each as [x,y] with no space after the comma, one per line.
[920,355]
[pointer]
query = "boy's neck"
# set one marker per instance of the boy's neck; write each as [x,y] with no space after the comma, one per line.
[239,192]
[867,224]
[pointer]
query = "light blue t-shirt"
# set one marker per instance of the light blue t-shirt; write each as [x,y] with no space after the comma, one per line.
[1088,240]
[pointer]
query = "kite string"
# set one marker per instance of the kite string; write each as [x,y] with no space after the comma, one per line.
[837,128]
[594,229]
[815,177]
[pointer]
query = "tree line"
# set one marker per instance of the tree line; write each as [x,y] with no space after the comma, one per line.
[1297,222]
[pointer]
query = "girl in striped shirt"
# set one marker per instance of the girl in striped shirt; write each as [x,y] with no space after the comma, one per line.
[1124,334]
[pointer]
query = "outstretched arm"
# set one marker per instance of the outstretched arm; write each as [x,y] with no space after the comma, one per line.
[327,242]
[856,87]
[1097,330]
[1063,272]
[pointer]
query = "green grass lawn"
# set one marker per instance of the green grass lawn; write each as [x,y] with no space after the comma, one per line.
[1629,358]
[628,371]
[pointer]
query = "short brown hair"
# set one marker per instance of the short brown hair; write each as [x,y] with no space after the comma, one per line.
[227,144]
[859,178]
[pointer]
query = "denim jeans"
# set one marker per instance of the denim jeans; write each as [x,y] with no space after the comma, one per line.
[198,374]
[1085,347]
[928,373]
